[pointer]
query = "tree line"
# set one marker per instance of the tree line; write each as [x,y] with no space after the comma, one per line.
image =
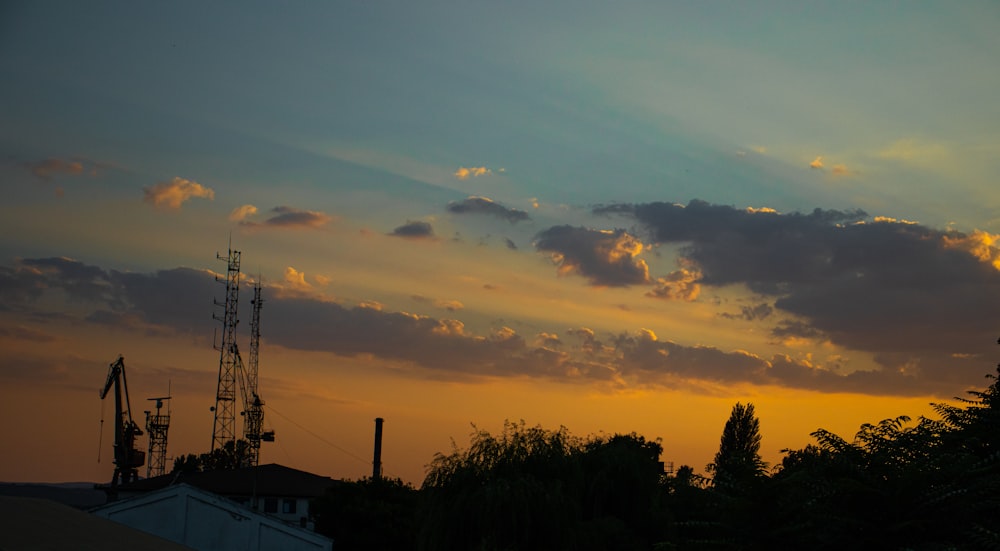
[933,484]
[925,485]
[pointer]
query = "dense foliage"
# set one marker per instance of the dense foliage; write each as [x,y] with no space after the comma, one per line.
[231,456]
[932,484]
[371,513]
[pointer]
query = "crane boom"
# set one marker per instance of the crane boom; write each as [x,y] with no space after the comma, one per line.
[128,459]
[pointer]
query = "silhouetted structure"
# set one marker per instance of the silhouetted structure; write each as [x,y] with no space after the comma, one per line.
[128,459]
[223,429]
[157,426]
[377,461]
[233,371]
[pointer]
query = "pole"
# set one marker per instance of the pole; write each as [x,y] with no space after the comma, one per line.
[377,461]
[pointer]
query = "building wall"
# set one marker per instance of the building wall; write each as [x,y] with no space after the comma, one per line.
[204,521]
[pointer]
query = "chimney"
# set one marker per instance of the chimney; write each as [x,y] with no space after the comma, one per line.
[377,461]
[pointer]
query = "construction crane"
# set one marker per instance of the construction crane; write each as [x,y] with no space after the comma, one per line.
[253,405]
[128,459]
[157,426]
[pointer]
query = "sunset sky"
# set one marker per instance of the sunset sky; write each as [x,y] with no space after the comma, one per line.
[612,216]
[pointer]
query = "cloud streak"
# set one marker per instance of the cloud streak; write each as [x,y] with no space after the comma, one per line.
[464,173]
[46,168]
[282,217]
[175,301]
[484,205]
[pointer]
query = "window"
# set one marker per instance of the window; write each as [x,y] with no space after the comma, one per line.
[271,505]
[288,506]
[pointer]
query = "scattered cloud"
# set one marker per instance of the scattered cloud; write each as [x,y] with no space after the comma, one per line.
[46,168]
[680,284]
[296,280]
[176,192]
[510,243]
[464,173]
[751,313]
[242,213]
[816,163]
[414,230]
[484,205]
[605,257]
[845,280]
[284,217]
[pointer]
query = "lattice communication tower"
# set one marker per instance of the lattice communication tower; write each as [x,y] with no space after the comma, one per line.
[225,396]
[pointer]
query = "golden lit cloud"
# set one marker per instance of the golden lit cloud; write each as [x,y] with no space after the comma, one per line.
[243,212]
[678,285]
[464,173]
[296,280]
[449,328]
[176,192]
[980,244]
[817,163]
[890,220]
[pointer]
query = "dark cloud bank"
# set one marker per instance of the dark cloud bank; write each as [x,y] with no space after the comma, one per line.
[919,300]
[414,230]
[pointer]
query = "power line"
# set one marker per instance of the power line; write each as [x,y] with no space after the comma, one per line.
[318,437]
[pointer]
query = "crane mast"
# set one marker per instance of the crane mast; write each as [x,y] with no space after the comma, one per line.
[128,459]
[253,405]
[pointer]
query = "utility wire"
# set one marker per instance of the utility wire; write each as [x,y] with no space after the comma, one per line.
[100,433]
[318,437]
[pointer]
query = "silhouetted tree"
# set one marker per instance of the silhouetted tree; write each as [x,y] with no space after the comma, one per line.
[930,486]
[738,460]
[189,463]
[510,491]
[369,514]
[232,455]
[622,502]
[530,488]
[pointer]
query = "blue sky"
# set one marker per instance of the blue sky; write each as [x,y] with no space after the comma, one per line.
[499,179]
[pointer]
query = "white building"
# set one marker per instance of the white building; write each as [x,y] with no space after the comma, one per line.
[203,520]
[279,491]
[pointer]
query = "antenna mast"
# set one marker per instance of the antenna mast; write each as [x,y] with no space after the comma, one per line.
[225,397]
[156,427]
